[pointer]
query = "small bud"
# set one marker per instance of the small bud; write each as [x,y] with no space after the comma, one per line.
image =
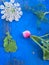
[26,34]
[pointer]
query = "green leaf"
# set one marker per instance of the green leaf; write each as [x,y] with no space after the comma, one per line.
[45,55]
[44,45]
[39,14]
[9,43]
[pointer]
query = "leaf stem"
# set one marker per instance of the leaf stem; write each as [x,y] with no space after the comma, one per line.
[45,35]
[46,13]
[38,42]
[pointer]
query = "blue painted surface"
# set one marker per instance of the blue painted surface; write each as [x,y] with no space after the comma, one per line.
[25,46]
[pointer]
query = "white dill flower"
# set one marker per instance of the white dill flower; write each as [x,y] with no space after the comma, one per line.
[11,11]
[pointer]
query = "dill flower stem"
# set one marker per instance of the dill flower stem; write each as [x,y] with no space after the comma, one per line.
[45,35]
[46,13]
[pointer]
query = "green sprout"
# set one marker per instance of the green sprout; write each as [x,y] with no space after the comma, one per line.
[40,12]
[43,43]
[9,43]
[41,15]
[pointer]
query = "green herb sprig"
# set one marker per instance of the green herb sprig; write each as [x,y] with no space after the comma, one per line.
[44,45]
[9,43]
[39,12]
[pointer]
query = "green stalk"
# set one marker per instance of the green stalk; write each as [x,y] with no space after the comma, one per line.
[38,42]
[45,35]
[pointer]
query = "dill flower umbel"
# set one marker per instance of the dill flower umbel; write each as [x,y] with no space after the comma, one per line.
[11,11]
